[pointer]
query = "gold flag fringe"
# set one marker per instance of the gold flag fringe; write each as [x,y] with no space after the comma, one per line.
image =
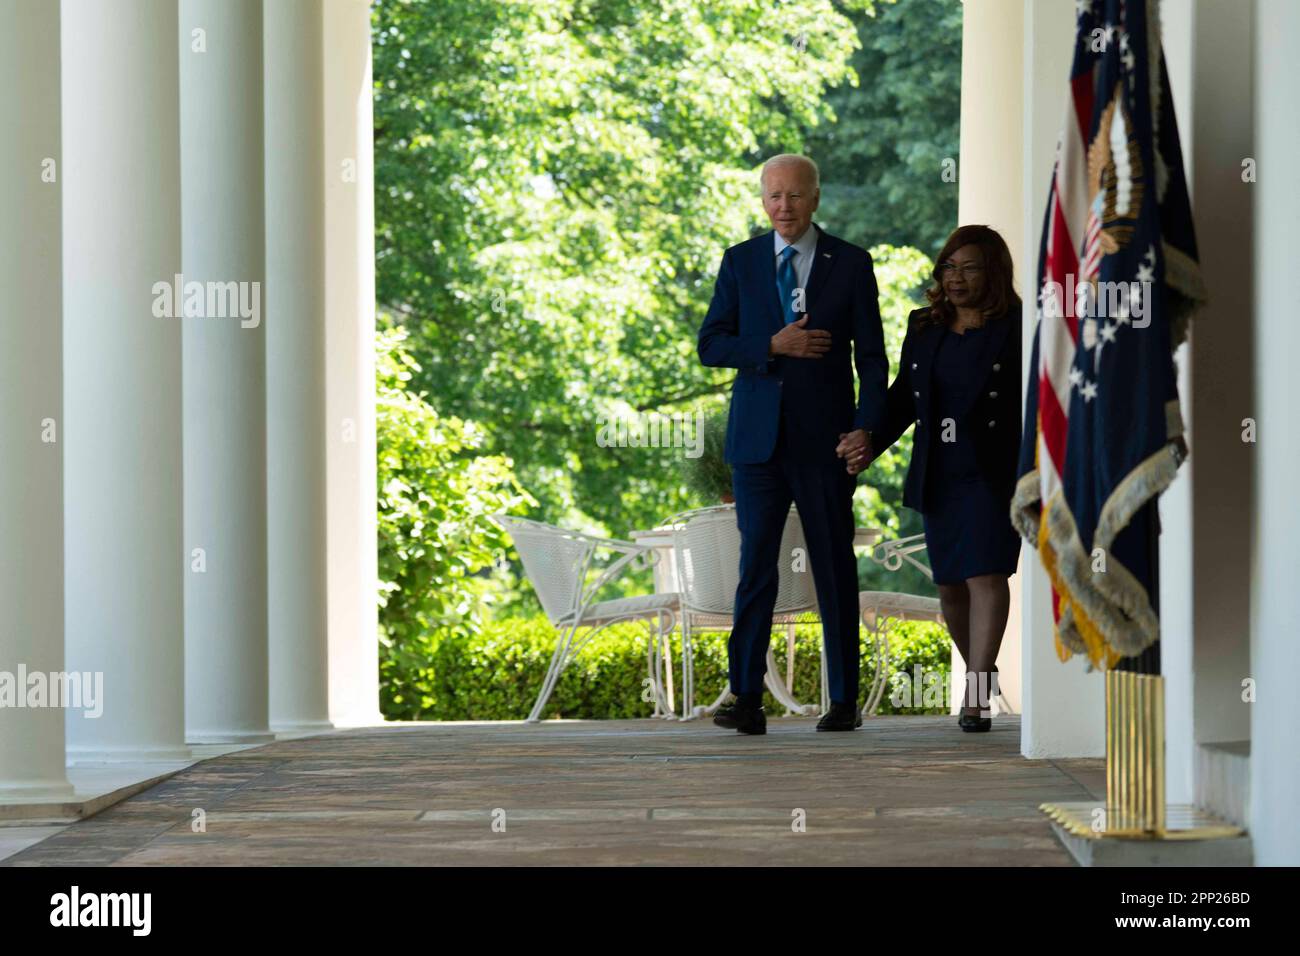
[1107,613]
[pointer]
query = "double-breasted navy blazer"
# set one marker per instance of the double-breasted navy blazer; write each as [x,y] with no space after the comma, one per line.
[814,394]
[993,415]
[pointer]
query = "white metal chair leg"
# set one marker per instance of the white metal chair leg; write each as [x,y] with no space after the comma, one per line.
[825,681]
[688,672]
[668,672]
[789,657]
[664,674]
[655,659]
[772,681]
[558,660]
[881,679]
[652,664]
[721,699]
[778,690]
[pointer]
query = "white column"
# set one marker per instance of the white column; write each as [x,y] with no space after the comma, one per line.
[31,400]
[1222,373]
[1177,605]
[1206,545]
[1275,599]
[990,193]
[350,403]
[124,553]
[295,393]
[992,94]
[224,372]
[1063,705]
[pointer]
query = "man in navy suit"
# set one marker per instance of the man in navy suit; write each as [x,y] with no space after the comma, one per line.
[787,307]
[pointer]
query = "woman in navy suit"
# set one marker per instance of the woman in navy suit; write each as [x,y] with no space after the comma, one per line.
[958,382]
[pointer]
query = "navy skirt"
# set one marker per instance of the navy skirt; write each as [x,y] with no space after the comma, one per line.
[968,531]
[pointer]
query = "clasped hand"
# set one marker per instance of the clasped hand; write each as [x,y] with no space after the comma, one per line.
[855,449]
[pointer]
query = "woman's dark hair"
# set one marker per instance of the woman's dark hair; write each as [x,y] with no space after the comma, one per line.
[999,288]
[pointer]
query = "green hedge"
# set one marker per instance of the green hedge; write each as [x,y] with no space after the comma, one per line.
[496,672]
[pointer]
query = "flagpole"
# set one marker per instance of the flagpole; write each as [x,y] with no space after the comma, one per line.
[1113,215]
[1148,662]
[1135,720]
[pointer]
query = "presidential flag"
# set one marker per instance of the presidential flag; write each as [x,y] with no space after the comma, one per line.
[1117,279]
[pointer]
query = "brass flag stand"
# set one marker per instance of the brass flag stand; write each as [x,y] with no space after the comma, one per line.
[1127,471]
[1135,806]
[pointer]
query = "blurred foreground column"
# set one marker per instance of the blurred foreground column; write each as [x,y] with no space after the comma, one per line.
[350,365]
[31,399]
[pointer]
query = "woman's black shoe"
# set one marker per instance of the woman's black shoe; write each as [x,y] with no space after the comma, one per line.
[972,724]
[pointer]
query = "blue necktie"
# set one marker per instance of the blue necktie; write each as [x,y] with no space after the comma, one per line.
[785,283]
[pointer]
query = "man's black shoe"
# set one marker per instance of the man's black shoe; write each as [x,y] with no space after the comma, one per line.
[745,718]
[841,717]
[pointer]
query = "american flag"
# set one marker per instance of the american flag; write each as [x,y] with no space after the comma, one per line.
[1117,279]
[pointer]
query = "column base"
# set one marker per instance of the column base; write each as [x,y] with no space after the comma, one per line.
[359,720]
[48,792]
[299,728]
[229,737]
[85,755]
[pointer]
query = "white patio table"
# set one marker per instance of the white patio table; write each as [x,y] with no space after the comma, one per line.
[874,606]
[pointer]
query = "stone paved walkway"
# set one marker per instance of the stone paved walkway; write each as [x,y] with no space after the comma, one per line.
[900,791]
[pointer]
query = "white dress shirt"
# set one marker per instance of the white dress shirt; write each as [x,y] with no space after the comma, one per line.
[805,248]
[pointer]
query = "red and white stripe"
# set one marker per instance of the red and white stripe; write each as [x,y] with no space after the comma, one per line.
[1068,230]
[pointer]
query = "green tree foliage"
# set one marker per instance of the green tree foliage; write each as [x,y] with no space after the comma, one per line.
[436,544]
[882,160]
[556,182]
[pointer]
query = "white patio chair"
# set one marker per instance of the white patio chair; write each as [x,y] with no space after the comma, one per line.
[891,555]
[558,564]
[879,607]
[706,548]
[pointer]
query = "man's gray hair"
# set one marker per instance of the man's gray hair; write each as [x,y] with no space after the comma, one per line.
[790,159]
